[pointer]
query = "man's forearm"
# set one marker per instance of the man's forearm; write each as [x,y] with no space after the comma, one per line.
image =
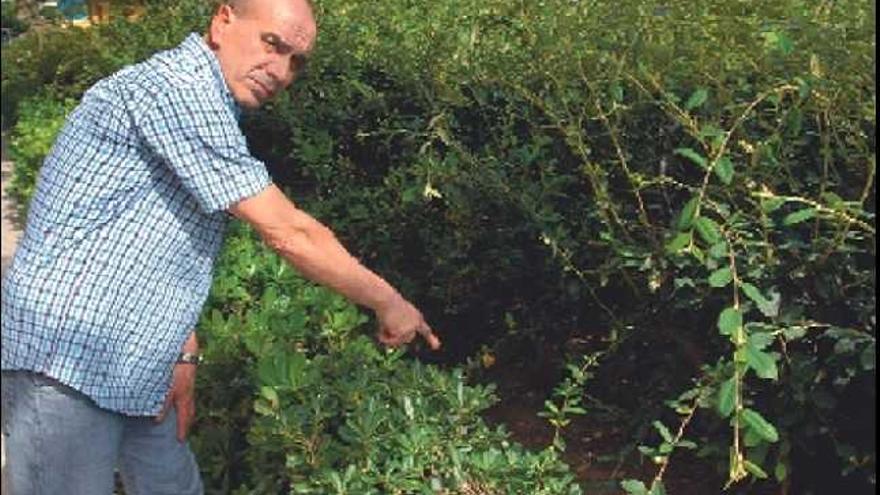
[192,344]
[315,251]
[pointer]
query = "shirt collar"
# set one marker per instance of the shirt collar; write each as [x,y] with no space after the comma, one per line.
[194,45]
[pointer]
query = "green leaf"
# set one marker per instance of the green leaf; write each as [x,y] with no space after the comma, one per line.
[726,397]
[720,277]
[759,339]
[778,40]
[692,155]
[753,293]
[698,254]
[617,92]
[663,430]
[755,469]
[269,370]
[868,358]
[729,321]
[697,98]
[262,408]
[724,170]
[768,307]
[752,439]
[763,363]
[709,230]
[657,488]
[794,333]
[718,250]
[759,425]
[296,364]
[271,395]
[833,200]
[678,243]
[780,472]
[634,487]
[711,131]
[770,205]
[799,216]
[686,217]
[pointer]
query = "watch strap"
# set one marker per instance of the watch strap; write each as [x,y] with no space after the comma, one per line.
[189,358]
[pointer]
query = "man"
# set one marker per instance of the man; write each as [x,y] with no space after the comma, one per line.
[116,259]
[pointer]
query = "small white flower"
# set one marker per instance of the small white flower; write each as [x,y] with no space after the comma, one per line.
[430,192]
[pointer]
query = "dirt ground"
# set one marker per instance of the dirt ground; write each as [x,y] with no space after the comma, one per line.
[600,452]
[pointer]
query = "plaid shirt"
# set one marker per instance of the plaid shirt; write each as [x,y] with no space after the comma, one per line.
[116,260]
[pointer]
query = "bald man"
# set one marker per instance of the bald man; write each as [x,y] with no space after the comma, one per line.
[98,353]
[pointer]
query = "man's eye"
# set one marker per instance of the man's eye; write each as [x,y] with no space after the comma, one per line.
[271,42]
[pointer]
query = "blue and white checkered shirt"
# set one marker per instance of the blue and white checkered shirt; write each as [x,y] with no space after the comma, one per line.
[117,257]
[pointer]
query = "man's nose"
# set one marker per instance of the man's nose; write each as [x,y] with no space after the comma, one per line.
[280,71]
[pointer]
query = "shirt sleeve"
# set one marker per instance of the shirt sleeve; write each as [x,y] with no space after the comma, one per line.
[197,135]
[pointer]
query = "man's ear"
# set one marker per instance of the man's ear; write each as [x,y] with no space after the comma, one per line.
[224,13]
[221,20]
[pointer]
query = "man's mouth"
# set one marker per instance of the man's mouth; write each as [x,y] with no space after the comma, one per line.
[262,88]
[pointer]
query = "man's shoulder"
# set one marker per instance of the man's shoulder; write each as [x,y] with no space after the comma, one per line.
[176,68]
[167,71]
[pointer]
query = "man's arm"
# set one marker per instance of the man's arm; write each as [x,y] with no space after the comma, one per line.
[314,250]
[192,344]
[181,396]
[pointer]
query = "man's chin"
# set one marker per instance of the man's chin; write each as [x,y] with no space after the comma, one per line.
[249,103]
[250,106]
[247,99]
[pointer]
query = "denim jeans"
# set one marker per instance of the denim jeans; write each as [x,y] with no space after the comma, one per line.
[59,442]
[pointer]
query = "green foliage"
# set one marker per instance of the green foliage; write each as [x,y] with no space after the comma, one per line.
[31,139]
[569,395]
[65,61]
[10,21]
[704,169]
[327,411]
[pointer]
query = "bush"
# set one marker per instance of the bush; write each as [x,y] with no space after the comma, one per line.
[335,414]
[65,61]
[31,140]
[534,179]
[11,22]
[694,183]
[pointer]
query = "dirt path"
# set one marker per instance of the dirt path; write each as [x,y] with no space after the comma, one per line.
[11,233]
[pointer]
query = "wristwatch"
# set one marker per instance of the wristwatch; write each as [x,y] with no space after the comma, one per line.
[189,358]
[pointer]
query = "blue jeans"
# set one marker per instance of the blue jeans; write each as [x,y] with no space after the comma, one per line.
[59,442]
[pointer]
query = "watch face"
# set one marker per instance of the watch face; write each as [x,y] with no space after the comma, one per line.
[189,358]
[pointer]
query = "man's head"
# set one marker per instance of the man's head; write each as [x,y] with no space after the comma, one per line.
[261,45]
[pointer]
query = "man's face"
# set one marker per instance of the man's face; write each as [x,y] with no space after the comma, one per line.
[261,46]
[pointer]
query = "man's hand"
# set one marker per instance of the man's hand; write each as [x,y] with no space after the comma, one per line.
[182,394]
[400,321]
[182,398]
[316,253]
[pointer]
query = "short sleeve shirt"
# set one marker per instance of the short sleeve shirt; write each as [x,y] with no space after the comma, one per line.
[117,256]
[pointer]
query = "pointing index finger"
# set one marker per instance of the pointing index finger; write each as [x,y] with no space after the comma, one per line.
[425,331]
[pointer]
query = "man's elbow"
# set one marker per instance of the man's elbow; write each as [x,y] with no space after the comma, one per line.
[300,243]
